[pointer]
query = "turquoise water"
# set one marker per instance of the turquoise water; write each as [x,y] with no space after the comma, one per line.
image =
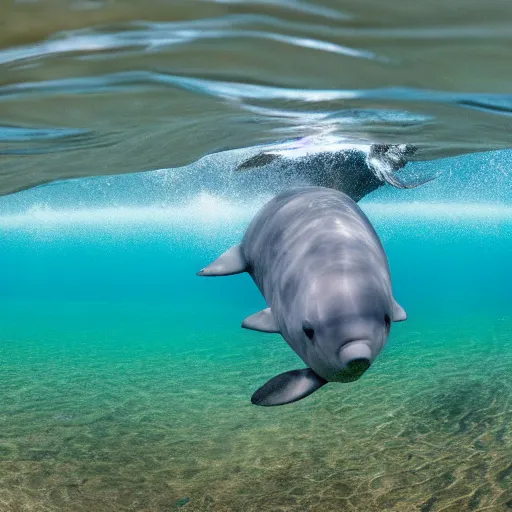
[126,380]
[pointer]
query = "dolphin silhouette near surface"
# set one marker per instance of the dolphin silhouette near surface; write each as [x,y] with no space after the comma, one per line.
[324,274]
[355,171]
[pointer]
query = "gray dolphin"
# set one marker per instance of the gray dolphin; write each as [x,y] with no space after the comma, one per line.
[323,272]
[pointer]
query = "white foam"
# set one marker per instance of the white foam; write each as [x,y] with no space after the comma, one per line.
[439,211]
[203,211]
[208,211]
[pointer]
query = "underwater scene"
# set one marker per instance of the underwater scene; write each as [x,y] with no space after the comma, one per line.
[255,256]
[126,379]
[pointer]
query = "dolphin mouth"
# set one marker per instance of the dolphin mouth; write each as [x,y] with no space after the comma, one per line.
[355,359]
[353,371]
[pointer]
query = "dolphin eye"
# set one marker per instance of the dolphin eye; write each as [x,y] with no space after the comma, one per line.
[387,321]
[308,330]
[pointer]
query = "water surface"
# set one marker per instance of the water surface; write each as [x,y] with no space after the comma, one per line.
[96,87]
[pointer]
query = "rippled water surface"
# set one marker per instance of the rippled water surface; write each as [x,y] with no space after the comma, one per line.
[103,87]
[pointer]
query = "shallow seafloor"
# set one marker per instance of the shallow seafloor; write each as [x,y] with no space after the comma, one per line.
[126,380]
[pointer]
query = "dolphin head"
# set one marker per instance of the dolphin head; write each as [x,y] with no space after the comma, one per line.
[343,326]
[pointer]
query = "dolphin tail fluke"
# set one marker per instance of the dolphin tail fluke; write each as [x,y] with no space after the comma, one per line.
[262,321]
[384,160]
[229,263]
[399,314]
[288,387]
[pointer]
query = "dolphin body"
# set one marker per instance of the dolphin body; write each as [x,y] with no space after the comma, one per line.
[324,274]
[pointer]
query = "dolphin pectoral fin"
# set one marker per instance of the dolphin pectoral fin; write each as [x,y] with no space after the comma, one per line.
[288,387]
[399,314]
[263,321]
[229,263]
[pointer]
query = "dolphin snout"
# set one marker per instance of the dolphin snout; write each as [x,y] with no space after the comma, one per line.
[355,359]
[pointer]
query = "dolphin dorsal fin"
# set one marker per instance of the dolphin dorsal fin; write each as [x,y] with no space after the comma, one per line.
[288,387]
[399,314]
[227,264]
[262,321]
[259,160]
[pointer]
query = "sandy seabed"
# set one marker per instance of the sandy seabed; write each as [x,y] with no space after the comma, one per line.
[121,419]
